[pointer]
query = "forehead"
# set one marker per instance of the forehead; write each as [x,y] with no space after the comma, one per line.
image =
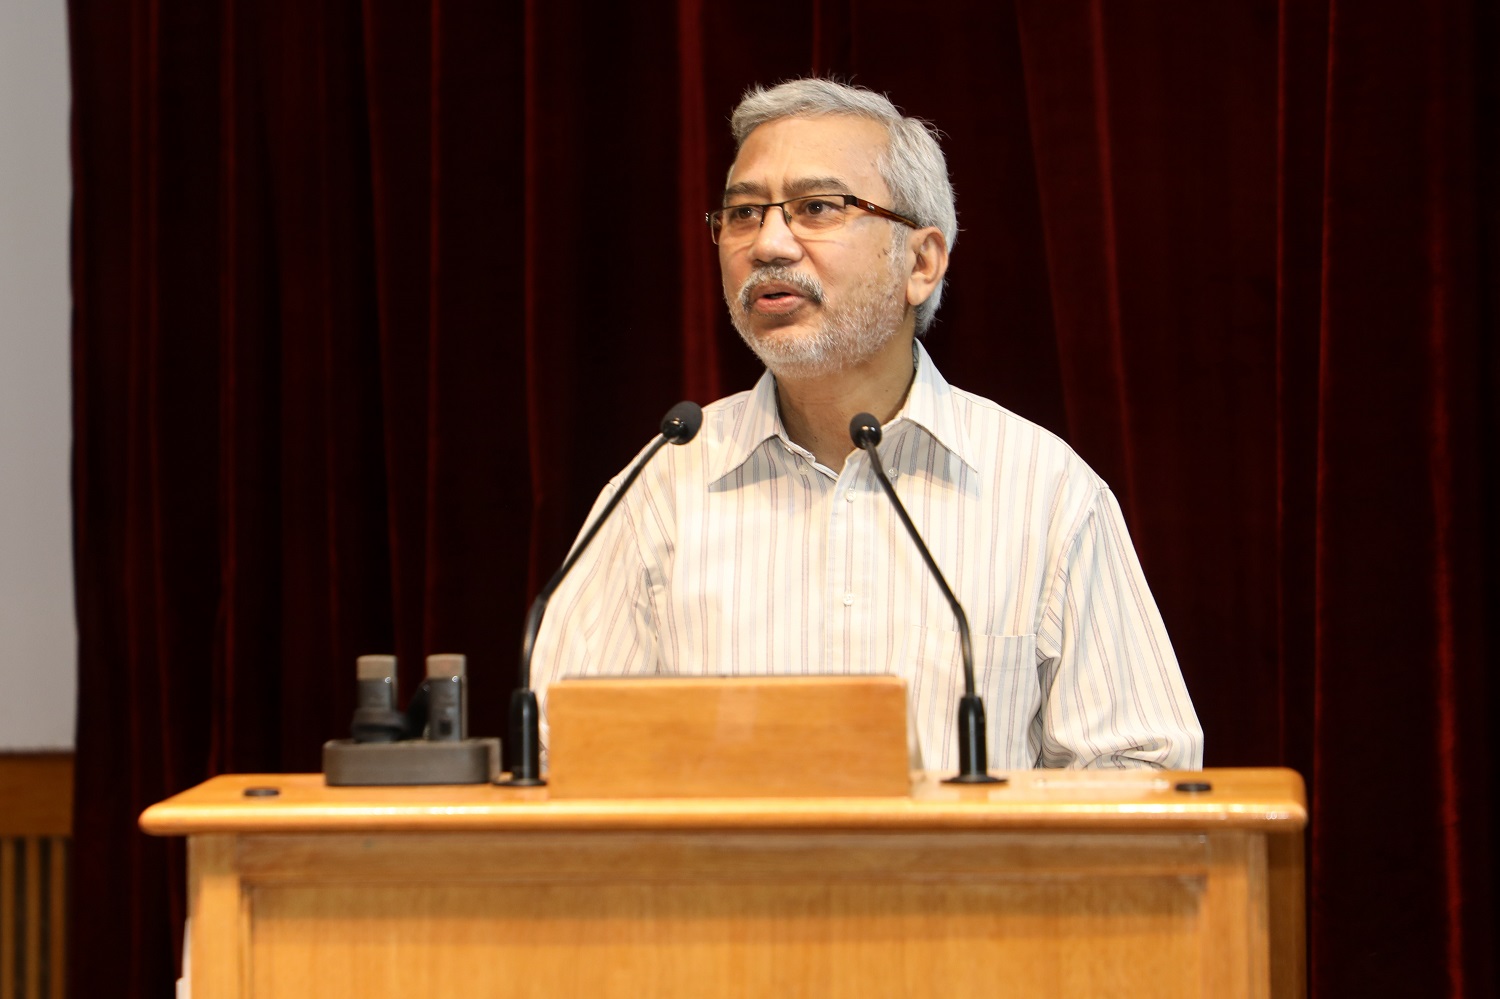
[780,156]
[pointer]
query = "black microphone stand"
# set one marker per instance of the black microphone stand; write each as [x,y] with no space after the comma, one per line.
[523,743]
[973,757]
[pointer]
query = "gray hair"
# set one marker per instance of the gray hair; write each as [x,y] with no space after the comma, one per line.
[912,164]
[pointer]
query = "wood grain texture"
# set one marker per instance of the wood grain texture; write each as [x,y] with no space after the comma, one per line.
[33,916]
[1288,890]
[10,915]
[221,927]
[37,792]
[1031,895]
[1271,799]
[712,913]
[36,825]
[826,856]
[1031,937]
[767,736]
[57,888]
[31,921]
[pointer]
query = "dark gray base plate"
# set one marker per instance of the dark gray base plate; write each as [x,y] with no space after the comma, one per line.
[470,761]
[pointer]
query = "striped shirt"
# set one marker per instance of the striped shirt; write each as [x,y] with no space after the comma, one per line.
[738,553]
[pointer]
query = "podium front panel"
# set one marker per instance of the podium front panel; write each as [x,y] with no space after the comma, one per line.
[848,898]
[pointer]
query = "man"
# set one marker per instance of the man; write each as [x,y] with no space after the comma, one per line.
[766,546]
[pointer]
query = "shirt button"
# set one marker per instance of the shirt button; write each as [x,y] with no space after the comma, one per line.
[891,473]
[848,599]
[849,496]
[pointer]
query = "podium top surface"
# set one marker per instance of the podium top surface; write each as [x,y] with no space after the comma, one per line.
[1268,799]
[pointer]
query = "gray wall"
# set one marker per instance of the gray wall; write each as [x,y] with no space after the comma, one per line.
[38,637]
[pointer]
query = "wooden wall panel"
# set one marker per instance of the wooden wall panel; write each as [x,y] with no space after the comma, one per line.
[36,824]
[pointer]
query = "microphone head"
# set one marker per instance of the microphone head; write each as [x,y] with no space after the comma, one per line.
[682,421]
[864,430]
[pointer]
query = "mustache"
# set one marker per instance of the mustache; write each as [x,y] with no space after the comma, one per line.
[806,285]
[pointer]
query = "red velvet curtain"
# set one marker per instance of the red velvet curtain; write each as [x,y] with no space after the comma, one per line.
[371,298]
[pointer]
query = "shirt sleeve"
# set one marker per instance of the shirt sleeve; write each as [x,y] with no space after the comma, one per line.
[599,620]
[1112,692]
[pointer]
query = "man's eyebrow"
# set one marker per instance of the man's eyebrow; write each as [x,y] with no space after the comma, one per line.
[744,189]
[794,189]
[816,185]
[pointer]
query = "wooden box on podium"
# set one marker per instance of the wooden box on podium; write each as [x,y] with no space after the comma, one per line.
[1057,884]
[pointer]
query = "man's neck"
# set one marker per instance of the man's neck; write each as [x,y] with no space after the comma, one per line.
[816,411]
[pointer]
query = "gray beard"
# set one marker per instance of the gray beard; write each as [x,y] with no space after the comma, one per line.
[847,335]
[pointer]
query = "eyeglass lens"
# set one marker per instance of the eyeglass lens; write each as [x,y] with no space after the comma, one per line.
[805,216]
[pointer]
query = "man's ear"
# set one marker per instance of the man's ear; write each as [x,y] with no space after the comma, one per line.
[930,262]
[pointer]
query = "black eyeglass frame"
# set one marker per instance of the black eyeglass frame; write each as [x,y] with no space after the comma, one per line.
[849,200]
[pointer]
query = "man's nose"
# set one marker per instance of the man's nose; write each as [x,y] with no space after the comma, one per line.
[774,240]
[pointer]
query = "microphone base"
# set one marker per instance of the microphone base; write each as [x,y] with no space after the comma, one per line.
[520,782]
[523,760]
[976,779]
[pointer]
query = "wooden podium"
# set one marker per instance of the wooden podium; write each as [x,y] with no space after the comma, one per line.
[745,837]
[1061,883]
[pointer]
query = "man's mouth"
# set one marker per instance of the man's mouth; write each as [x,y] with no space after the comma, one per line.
[777,303]
[779,294]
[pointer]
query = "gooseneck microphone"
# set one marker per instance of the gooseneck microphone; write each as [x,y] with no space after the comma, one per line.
[523,740]
[973,758]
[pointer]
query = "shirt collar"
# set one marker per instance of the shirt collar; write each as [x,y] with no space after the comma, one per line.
[758,423]
[929,407]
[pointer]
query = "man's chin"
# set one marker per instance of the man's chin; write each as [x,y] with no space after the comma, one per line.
[786,349]
[799,358]
[799,368]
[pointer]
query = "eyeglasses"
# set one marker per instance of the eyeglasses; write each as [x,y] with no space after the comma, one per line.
[814,215]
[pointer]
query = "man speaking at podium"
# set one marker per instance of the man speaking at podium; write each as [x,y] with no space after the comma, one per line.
[765,546]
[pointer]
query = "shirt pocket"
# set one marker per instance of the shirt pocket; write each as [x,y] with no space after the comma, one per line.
[1006,679]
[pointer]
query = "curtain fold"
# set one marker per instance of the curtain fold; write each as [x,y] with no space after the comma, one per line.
[372,297]
[1397,410]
